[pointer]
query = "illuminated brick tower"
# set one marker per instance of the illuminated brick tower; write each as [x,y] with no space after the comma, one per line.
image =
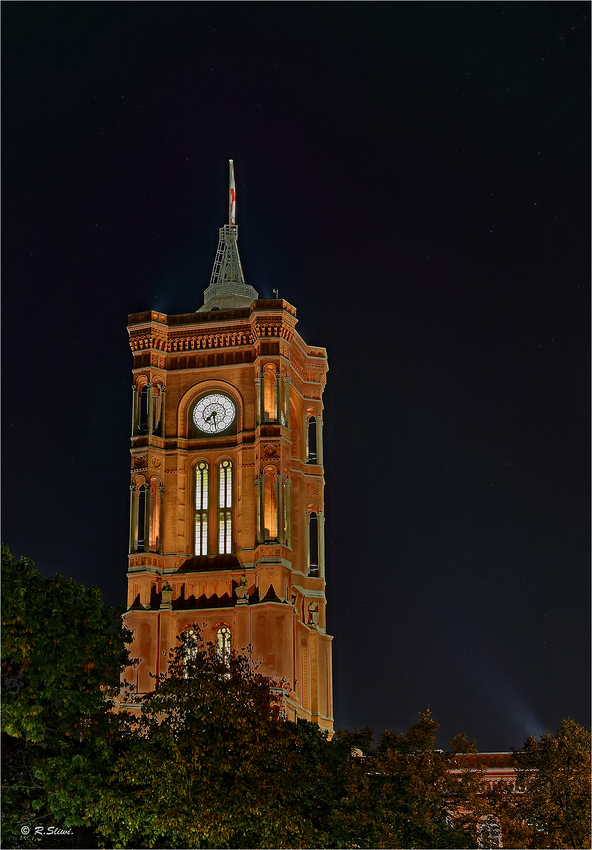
[226,487]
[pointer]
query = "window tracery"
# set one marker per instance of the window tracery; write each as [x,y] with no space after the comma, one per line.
[201,508]
[225,507]
[222,641]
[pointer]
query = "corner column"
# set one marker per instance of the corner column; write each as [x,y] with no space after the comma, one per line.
[146,517]
[321,521]
[150,411]
[133,537]
[259,513]
[162,409]
[134,410]
[287,401]
[258,400]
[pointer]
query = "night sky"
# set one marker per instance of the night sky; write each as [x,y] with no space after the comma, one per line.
[415,179]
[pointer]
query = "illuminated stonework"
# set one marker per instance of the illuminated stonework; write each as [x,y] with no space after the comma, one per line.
[242,506]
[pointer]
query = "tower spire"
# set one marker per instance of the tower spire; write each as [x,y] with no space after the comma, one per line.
[227,289]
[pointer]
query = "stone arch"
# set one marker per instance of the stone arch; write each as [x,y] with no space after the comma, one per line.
[191,396]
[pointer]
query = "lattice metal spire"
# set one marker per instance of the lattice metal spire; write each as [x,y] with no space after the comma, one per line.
[227,289]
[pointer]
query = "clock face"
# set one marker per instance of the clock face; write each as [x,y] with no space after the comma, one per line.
[214,413]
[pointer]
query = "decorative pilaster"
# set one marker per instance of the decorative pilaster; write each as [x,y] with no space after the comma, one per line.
[160,534]
[134,410]
[305,436]
[133,538]
[280,509]
[150,402]
[319,440]
[287,401]
[278,397]
[258,405]
[259,510]
[321,527]
[288,513]
[162,410]
[146,517]
[306,543]
[276,490]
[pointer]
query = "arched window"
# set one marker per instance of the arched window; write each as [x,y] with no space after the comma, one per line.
[141,524]
[157,399]
[137,527]
[270,503]
[313,544]
[269,394]
[201,508]
[225,507]
[223,644]
[154,534]
[311,441]
[143,412]
[191,648]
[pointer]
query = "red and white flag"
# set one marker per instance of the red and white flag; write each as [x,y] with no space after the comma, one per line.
[232,195]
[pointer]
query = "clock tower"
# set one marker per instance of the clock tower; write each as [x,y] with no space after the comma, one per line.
[227,487]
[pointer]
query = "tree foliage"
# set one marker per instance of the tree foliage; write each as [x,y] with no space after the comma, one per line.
[61,659]
[208,762]
[551,804]
[403,793]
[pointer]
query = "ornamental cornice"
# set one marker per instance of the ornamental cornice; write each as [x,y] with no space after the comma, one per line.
[307,371]
[206,339]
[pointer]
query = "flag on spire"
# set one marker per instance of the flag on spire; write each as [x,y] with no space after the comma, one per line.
[232,196]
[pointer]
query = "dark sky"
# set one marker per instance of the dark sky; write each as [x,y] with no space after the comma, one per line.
[415,179]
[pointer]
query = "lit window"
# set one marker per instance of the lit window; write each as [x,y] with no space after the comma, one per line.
[223,643]
[225,508]
[269,399]
[201,508]
[224,532]
[225,492]
[191,648]
[270,519]
[155,487]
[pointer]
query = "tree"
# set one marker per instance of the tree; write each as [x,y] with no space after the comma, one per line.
[209,764]
[405,792]
[553,781]
[61,659]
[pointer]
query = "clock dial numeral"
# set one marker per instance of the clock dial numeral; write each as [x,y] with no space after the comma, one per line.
[214,413]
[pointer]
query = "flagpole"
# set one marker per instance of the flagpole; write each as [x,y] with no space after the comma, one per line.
[231,190]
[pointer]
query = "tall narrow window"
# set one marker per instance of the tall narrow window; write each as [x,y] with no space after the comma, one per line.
[141,526]
[157,408]
[313,545]
[270,518]
[223,643]
[154,514]
[225,507]
[191,649]
[269,399]
[143,417]
[201,508]
[312,440]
